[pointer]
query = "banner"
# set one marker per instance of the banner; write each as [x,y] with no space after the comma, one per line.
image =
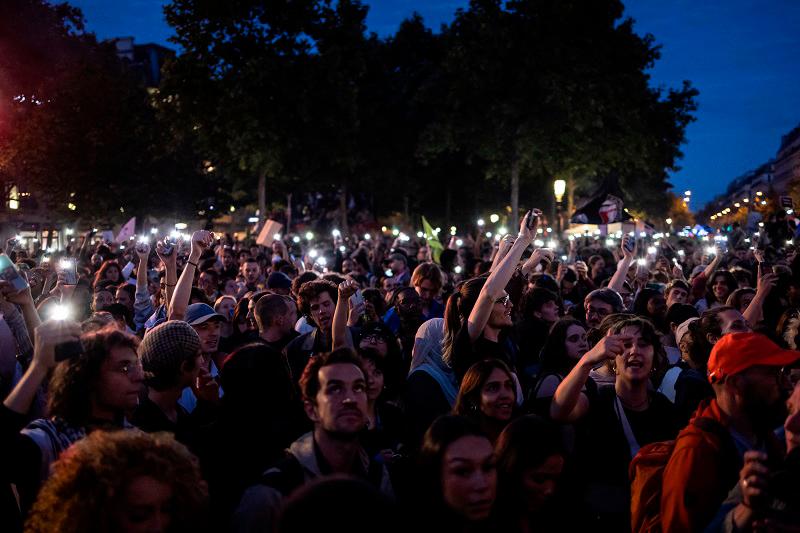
[267,233]
[127,231]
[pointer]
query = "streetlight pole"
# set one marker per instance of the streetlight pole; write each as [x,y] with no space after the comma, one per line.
[559,188]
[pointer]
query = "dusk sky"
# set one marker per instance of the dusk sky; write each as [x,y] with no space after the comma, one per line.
[740,54]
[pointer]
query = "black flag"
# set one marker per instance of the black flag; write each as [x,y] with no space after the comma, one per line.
[605,206]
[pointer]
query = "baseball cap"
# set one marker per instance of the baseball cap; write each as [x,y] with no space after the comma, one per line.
[736,352]
[199,313]
[681,330]
[279,280]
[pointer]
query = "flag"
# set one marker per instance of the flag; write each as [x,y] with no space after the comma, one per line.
[127,231]
[604,207]
[433,240]
[267,233]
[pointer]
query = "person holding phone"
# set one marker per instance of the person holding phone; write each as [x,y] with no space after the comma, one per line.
[91,391]
[478,314]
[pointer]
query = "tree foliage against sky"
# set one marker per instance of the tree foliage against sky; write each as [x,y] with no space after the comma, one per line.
[295,95]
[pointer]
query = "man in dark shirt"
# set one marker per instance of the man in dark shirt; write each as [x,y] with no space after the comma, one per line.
[318,301]
[276,316]
[170,353]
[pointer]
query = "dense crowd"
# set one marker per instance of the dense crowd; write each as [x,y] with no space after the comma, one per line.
[622,382]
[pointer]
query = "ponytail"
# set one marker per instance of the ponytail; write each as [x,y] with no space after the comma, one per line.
[452,326]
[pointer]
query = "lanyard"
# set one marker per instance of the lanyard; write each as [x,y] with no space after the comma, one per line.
[626,427]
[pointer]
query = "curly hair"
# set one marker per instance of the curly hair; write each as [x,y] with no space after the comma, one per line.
[90,480]
[312,290]
[73,382]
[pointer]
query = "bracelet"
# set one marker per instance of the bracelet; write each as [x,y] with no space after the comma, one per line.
[170,285]
[190,263]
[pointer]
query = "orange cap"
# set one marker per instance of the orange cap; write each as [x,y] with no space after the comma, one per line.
[736,352]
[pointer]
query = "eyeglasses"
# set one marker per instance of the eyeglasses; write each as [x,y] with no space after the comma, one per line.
[503,300]
[375,339]
[129,367]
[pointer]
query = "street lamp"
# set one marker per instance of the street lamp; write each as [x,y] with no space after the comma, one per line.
[559,188]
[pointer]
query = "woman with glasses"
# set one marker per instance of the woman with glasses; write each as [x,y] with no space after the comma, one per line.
[91,390]
[478,314]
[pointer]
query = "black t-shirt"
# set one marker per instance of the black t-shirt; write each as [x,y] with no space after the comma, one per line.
[466,353]
[604,453]
[281,343]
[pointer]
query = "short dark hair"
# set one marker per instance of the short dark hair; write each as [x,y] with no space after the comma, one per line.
[680,313]
[309,381]
[608,296]
[312,291]
[677,284]
[302,279]
[268,308]
[535,298]
[709,321]
[648,331]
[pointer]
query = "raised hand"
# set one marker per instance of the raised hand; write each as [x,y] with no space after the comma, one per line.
[607,348]
[49,334]
[347,288]
[530,222]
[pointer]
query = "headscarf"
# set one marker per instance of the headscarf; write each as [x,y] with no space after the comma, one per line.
[427,357]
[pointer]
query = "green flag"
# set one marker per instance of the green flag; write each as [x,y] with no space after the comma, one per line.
[433,240]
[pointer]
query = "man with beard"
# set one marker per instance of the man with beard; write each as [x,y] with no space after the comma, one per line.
[600,303]
[745,372]
[334,389]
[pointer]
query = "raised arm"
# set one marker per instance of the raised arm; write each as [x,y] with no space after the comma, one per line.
[47,336]
[499,278]
[569,402]
[628,254]
[142,306]
[201,240]
[712,266]
[171,270]
[755,310]
[339,334]
[501,250]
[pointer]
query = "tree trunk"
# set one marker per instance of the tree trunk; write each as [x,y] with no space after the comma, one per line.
[288,214]
[570,202]
[262,196]
[343,208]
[514,191]
[448,199]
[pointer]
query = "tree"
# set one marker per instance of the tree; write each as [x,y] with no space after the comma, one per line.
[544,89]
[83,135]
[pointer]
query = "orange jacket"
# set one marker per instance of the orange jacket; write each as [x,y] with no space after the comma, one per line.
[698,476]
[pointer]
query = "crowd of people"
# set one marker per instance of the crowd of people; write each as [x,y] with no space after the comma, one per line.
[648,383]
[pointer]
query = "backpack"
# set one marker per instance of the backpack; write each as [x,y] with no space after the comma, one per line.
[646,474]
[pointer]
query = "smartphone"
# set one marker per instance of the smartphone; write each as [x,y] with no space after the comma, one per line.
[357,298]
[68,269]
[65,350]
[10,273]
[764,267]
[628,243]
[533,220]
[168,246]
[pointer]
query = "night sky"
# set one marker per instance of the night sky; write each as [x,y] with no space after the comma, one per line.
[740,54]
